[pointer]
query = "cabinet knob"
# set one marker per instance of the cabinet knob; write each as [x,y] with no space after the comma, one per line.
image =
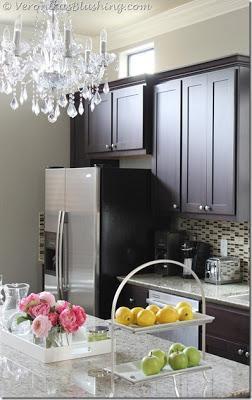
[200,207]
[240,352]
[175,206]
[247,354]
[207,208]
[113,146]
[131,300]
[108,147]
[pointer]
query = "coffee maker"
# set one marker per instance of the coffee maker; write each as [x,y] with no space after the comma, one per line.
[194,255]
[167,246]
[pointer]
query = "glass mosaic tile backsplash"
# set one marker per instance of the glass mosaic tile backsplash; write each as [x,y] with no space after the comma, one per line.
[237,235]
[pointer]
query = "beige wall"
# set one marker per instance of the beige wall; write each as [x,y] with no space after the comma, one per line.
[210,39]
[217,37]
[27,145]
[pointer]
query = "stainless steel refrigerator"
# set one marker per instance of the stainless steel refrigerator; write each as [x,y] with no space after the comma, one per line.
[97,226]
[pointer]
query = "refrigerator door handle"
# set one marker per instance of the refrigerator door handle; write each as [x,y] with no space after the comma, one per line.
[61,289]
[57,253]
[65,282]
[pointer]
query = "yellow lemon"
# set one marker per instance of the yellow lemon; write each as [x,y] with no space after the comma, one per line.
[134,311]
[146,318]
[153,307]
[166,315]
[168,305]
[124,316]
[185,313]
[183,304]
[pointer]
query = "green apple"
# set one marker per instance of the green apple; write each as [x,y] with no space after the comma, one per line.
[178,360]
[150,365]
[176,347]
[161,355]
[193,355]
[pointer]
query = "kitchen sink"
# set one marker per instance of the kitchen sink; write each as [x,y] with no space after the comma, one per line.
[243,297]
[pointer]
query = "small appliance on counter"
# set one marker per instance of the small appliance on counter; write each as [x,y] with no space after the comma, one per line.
[195,255]
[221,270]
[167,246]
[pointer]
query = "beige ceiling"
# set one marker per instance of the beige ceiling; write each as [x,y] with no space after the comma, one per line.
[89,22]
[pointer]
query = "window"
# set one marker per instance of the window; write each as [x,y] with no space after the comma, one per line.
[141,62]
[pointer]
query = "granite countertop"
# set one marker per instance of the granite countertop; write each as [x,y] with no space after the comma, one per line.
[24,377]
[222,294]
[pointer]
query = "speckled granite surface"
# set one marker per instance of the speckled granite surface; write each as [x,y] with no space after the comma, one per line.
[222,294]
[24,377]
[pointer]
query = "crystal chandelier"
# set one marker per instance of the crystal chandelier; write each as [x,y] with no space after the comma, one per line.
[54,64]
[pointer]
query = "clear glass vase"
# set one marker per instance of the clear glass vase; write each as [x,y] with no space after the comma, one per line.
[13,293]
[55,338]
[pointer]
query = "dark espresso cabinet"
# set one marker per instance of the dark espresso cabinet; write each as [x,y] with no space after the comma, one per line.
[221,142]
[201,144]
[128,118]
[194,150]
[228,335]
[133,296]
[98,126]
[199,136]
[209,132]
[167,133]
[121,125]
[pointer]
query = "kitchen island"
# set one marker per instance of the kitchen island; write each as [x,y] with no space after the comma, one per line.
[24,377]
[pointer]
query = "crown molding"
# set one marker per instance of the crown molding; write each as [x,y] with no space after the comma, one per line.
[170,20]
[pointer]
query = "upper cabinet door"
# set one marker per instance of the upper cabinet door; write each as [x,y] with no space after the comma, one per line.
[194,134]
[128,108]
[167,130]
[98,129]
[221,174]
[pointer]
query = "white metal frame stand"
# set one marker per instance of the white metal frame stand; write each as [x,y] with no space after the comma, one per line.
[113,310]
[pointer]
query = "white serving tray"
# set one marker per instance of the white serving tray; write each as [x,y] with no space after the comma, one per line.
[131,371]
[78,349]
[198,319]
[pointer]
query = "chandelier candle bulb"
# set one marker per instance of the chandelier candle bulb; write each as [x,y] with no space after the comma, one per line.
[88,49]
[68,38]
[103,41]
[17,34]
[6,36]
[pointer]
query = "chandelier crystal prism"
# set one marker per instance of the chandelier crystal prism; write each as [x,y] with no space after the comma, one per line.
[54,65]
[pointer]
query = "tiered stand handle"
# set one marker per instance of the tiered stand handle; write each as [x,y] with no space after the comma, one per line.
[117,294]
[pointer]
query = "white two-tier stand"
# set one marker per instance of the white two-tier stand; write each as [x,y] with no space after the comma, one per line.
[114,325]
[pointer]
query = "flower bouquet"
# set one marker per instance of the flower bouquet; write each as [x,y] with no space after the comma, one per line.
[52,323]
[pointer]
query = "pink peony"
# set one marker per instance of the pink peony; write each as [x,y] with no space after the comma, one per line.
[68,320]
[41,326]
[29,301]
[39,309]
[48,298]
[80,315]
[61,305]
[53,317]
[72,318]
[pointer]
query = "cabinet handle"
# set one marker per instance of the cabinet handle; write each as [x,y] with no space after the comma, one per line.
[200,207]
[108,147]
[240,352]
[113,146]
[207,208]
[175,206]
[247,354]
